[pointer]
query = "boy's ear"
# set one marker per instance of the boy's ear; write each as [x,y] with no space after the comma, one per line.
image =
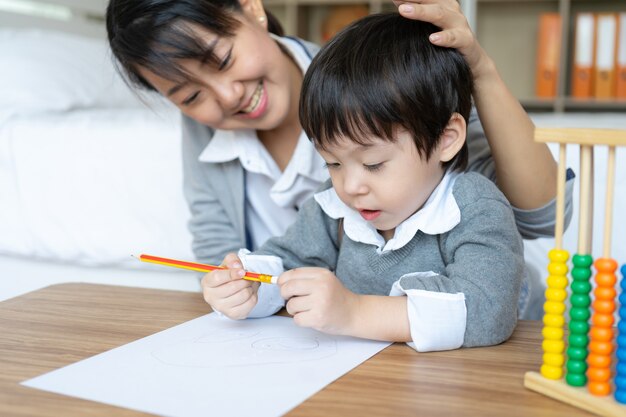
[254,9]
[452,138]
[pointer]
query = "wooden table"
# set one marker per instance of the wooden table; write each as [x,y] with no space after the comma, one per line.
[62,324]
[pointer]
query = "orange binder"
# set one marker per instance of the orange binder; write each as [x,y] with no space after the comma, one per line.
[620,88]
[548,53]
[582,67]
[606,35]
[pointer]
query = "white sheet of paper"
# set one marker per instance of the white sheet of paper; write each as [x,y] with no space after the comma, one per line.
[214,366]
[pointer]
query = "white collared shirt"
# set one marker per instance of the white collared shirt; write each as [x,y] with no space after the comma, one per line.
[272,197]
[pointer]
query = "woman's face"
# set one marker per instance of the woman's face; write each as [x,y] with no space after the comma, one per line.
[255,85]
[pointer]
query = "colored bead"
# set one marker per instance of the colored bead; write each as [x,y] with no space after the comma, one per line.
[620,368]
[605,264]
[576,367]
[601,348]
[553,320]
[552,333]
[555,294]
[599,374]
[581,287]
[558,255]
[621,354]
[582,261]
[620,397]
[554,307]
[603,306]
[620,382]
[622,325]
[621,340]
[557,281]
[579,327]
[605,279]
[555,268]
[581,274]
[553,346]
[605,293]
[598,361]
[599,388]
[578,340]
[551,372]
[603,320]
[576,380]
[577,353]
[579,314]
[554,359]
[601,334]
[580,300]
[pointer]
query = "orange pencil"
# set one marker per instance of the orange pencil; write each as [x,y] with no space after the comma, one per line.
[250,276]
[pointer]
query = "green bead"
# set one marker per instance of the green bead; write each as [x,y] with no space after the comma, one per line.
[581,274]
[579,314]
[575,353]
[579,327]
[582,261]
[581,287]
[576,367]
[576,380]
[578,340]
[580,300]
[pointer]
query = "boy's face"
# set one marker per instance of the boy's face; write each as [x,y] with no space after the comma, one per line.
[386,182]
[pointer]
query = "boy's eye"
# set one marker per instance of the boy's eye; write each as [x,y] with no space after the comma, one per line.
[331,165]
[191,98]
[373,167]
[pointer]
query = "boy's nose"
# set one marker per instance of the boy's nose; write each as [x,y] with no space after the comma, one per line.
[354,185]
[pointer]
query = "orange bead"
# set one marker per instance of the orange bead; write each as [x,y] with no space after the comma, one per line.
[605,264]
[602,320]
[599,388]
[599,374]
[601,348]
[604,293]
[601,334]
[603,306]
[598,361]
[604,279]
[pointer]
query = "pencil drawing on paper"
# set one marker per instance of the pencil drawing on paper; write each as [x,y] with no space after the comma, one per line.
[247,346]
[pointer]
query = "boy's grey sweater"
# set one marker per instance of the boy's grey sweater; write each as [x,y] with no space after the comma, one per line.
[482,257]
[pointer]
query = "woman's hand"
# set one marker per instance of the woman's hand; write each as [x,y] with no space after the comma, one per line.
[317,299]
[456,32]
[226,290]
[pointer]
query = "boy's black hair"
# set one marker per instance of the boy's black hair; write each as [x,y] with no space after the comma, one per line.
[157,34]
[382,72]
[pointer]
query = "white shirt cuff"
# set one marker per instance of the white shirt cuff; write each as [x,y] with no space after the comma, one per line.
[437,320]
[269,299]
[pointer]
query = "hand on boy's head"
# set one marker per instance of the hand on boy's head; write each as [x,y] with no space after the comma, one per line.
[317,299]
[227,292]
[446,14]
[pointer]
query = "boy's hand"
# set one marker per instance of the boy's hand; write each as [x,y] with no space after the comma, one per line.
[317,299]
[455,33]
[226,290]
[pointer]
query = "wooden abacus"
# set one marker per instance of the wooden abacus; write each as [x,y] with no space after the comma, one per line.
[589,378]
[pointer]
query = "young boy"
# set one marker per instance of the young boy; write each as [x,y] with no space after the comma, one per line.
[404,246]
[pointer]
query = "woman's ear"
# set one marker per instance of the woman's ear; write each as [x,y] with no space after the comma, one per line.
[453,138]
[254,9]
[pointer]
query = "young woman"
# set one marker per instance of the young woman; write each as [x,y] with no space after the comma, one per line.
[248,165]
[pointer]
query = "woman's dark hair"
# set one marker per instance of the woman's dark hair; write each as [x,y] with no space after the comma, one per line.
[382,72]
[157,34]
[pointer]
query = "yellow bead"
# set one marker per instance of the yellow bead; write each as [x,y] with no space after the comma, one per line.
[556,268]
[551,372]
[554,359]
[557,281]
[553,346]
[552,333]
[554,307]
[554,294]
[558,255]
[553,320]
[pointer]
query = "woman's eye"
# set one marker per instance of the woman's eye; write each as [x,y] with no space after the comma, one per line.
[191,98]
[226,60]
[373,167]
[331,165]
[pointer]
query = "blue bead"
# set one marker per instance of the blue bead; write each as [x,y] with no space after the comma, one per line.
[623,269]
[621,340]
[620,368]
[621,326]
[622,311]
[621,354]
[620,382]
[620,396]
[622,298]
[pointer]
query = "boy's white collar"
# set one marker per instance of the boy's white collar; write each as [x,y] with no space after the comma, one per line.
[439,214]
